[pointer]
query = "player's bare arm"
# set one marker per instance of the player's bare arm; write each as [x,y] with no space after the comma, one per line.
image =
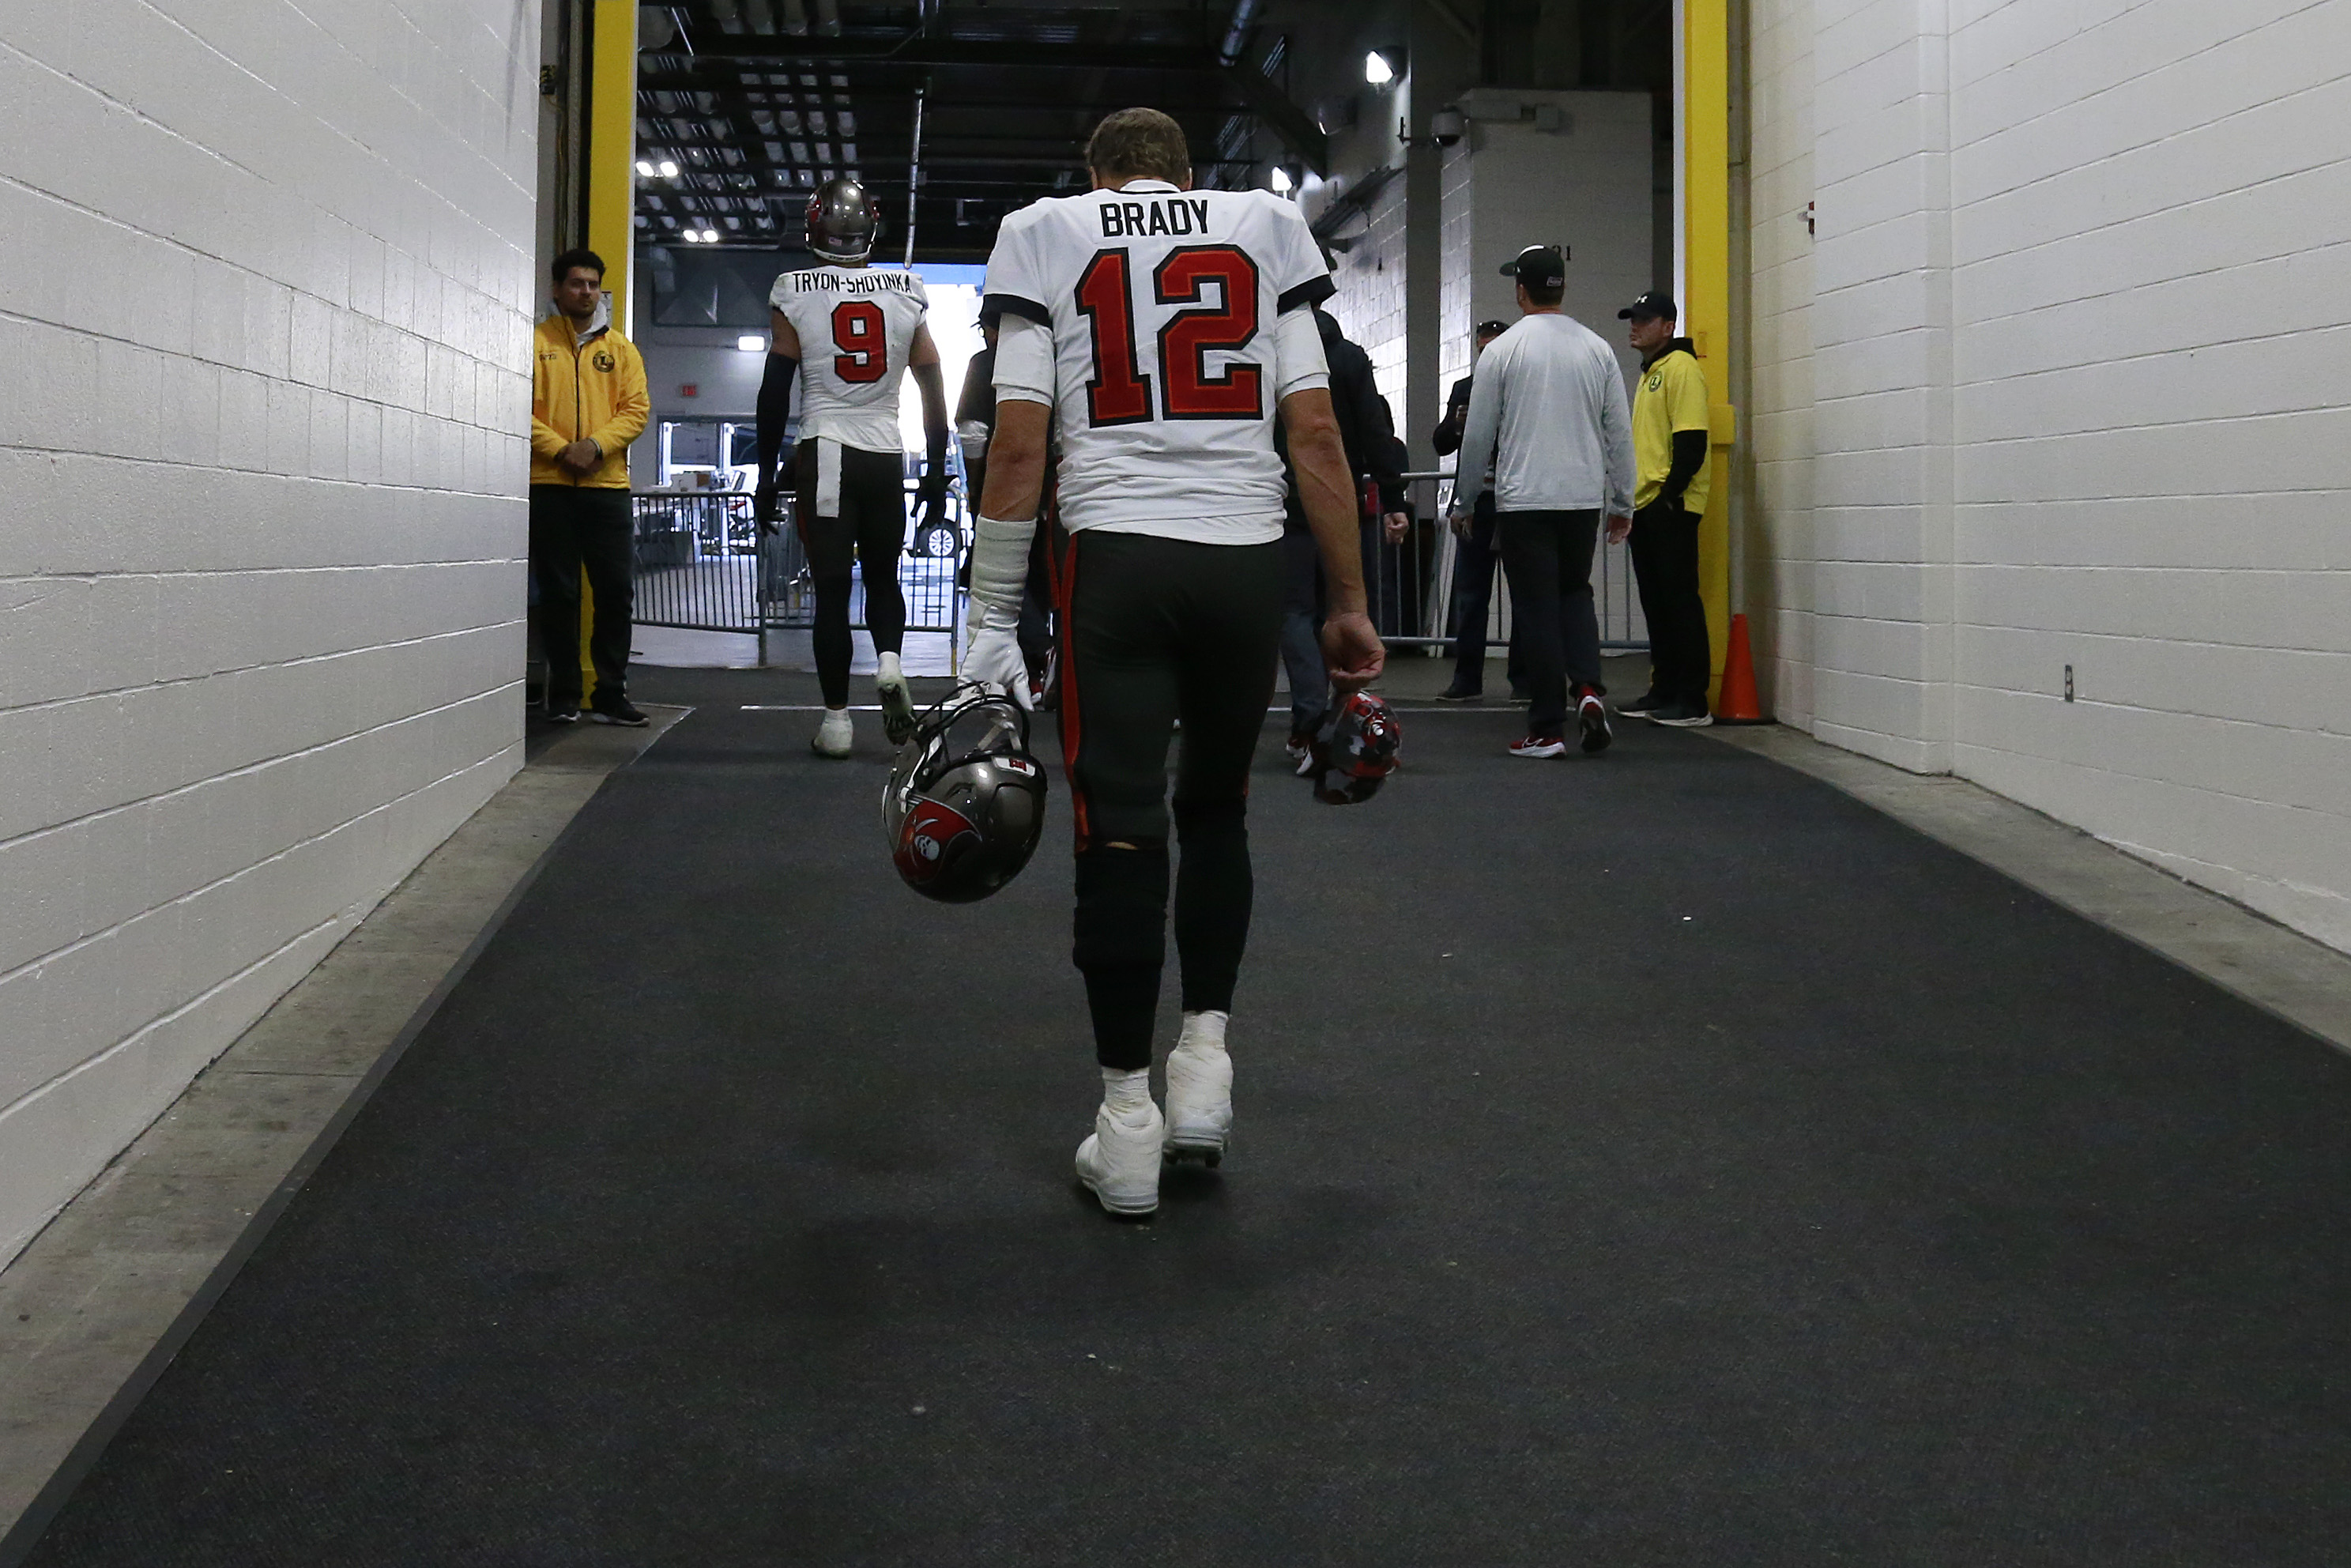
[1326,492]
[1016,460]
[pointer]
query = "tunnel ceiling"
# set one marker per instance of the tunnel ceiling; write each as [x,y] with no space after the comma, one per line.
[758,102]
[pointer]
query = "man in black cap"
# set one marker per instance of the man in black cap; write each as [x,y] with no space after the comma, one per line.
[1549,413]
[1671,441]
[1474,556]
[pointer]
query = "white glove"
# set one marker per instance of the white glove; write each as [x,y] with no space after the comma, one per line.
[993,658]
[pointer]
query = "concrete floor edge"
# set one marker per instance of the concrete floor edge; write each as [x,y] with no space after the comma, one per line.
[94,1308]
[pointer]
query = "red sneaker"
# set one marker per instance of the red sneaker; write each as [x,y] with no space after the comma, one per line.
[1539,745]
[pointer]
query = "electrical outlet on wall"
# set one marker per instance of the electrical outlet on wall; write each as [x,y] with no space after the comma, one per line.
[2069,683]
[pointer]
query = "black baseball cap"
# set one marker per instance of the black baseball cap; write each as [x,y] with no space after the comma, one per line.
[1538,263]
[1492,329]
[1650,304]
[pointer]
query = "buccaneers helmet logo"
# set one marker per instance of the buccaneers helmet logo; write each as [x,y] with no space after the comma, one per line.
[932,835]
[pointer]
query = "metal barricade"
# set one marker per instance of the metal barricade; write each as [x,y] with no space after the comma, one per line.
[703,564]
[1412,581]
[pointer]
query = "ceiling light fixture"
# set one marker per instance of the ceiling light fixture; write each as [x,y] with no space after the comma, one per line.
[1280,182]
[668,170]
[751,342]
[645,169]
[1378,69]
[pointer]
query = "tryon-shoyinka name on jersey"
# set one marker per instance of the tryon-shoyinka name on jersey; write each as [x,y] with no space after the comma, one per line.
[1163,216]
[862,281]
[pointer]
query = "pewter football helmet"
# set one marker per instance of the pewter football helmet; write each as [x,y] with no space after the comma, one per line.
[1358,745]
[843,222]
[966,800]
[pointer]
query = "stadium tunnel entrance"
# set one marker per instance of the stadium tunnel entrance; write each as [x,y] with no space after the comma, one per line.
[1425,141]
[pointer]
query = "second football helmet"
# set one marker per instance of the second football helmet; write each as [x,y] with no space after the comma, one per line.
[1358,745]
[966,800]
[843,222]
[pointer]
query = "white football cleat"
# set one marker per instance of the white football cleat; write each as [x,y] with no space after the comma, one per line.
[897,702]
[832,735]
[1119,1161]
[1200,1091]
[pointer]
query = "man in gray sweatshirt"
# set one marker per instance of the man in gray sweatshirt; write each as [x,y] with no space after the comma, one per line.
[1549,409]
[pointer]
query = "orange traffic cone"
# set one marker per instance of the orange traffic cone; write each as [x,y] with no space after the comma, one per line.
[1739,703]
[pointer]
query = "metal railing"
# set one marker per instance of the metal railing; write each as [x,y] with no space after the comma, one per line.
[1412,582]
[703,564]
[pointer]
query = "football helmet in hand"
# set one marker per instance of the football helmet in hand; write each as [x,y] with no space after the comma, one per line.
[1358,745]
[965,801]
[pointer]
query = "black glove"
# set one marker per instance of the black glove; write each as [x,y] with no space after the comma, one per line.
[931,494]
[763,505]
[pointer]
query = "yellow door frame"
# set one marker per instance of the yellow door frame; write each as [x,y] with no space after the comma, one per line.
[610,166]
[1702,72]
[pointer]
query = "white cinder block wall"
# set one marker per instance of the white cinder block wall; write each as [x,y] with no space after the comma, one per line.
[264,274]
[2076,320]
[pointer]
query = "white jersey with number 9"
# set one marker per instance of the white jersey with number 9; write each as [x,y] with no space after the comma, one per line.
[856,327]
[1165,311]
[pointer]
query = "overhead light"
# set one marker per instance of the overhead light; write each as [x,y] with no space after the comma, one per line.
[710,236]
[751,342]
[645,170]
[1378,69]
[668,170]
[1281,180]
[692,236]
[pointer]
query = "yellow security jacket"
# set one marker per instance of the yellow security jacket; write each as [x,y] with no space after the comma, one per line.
[593,390]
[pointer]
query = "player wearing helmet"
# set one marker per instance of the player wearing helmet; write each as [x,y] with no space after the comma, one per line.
[1166,330]
[855,330]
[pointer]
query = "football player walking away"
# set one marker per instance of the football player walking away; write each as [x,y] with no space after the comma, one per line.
[865,328]
[1167,328]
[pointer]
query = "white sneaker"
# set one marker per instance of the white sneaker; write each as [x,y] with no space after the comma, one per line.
[1199,1091]
[832,735]
[1121,1160]
[897,702]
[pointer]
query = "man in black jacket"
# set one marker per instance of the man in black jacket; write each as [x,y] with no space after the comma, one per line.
[1367,431]
[1475,556]
[975,423]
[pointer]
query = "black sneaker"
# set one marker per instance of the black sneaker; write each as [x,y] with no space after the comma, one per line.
[609,708]
[1457,693]
[1685,715]
[1592,721]
[1645,705]
[563,713]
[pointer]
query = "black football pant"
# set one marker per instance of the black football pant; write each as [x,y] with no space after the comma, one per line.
[575,528]
[1156,631]
[1664,564]
[1548,557]
[863,536]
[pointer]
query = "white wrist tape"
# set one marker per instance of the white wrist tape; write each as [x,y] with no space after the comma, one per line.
[1000,567]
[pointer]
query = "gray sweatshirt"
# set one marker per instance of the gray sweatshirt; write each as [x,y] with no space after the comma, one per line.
[1551,392]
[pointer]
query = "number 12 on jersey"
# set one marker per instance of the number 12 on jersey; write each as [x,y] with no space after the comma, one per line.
[1119,392]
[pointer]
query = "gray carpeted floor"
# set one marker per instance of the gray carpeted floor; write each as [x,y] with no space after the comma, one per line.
[1654,1160]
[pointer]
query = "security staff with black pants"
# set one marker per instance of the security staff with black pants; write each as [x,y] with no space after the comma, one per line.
[1549,413]
[1671,441]
[1474,556]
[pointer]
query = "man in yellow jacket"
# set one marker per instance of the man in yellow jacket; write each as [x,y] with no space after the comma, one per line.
[587,401]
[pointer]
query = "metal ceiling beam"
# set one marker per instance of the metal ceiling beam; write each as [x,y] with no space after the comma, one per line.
[1241,82]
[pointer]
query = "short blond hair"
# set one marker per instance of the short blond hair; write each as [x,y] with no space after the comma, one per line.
[1139,144]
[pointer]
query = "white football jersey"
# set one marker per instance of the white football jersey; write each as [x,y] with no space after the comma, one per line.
[1163,306]
[856,326]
